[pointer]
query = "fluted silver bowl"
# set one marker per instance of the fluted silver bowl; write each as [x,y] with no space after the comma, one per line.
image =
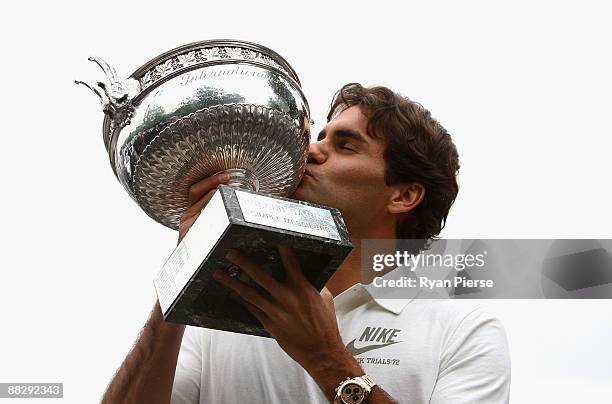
[200,109]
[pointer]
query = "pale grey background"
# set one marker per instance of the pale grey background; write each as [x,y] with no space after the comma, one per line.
[524,87]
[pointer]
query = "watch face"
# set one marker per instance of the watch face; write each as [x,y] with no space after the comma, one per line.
[352,393]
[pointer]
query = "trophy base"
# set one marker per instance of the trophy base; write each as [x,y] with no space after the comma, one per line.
[253,224]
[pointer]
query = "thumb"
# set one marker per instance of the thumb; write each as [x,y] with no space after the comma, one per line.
[328,299]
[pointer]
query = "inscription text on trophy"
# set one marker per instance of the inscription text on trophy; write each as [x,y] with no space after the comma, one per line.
[202,74]
[287,215]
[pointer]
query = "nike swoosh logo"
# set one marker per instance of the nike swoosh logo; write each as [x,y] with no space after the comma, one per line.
[358,351]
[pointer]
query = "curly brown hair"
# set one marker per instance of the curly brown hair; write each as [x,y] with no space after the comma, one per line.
[418,149]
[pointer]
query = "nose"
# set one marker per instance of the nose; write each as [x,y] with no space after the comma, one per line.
[316,154]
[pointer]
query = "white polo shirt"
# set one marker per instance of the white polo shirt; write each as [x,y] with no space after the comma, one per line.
[419,350]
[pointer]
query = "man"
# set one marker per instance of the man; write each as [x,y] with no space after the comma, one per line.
[391,170]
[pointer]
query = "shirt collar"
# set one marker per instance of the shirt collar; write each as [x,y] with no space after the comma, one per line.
[394,305]
[394,299]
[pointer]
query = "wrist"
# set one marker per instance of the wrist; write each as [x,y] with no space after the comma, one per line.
[329,371]
[354,390]
[156,320]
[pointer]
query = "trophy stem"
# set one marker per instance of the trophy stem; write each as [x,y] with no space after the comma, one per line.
[242,178]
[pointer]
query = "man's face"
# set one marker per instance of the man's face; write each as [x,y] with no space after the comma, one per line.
[346,170]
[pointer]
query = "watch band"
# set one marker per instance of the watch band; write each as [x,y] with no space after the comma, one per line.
[368,380]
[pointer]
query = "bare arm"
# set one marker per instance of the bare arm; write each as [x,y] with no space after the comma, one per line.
[147,373]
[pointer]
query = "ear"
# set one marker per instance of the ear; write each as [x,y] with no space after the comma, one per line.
[405,198]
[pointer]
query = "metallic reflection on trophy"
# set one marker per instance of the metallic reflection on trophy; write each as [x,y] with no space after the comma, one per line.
[205,108]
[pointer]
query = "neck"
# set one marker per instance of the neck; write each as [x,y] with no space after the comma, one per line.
[349,272]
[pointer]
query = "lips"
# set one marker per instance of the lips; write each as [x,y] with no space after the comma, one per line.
[309,173]
[306,177]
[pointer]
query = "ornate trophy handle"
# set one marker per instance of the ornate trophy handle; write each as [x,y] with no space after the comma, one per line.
[116,103]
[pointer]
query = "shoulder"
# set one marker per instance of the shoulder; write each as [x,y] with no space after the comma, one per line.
[464,328]
[474,362]
[455,314]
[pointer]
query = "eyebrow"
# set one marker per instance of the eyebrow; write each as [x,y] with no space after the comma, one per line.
[343,133]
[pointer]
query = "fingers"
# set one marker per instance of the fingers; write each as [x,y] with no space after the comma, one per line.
[291,265]
[327,295]
[192,213]
[199,205]
[256,273]
[200,194]
[328,299]
[259,315]
[201,188]
[246,292]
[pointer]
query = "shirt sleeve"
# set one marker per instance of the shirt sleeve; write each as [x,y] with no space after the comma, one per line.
[475,363]
[186,387]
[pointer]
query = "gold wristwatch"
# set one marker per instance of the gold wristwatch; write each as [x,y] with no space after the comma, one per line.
[354,391]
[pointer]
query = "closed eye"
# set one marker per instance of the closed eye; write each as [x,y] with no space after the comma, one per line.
[346,146]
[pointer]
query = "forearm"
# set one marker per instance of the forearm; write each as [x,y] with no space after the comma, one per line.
[329,373]
[147,373]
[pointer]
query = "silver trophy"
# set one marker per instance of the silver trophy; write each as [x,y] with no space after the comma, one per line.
[206,108]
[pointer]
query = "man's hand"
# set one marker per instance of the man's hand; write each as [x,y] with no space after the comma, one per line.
[301,319]
[199,195]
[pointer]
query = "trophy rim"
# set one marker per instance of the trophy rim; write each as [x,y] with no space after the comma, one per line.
[138,73]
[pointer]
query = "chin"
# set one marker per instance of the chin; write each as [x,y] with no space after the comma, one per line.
[305,195]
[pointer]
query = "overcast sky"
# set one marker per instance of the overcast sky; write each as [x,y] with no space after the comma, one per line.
[524,89]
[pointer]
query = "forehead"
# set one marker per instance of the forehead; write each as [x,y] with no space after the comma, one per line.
[353,118]
[353,123]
